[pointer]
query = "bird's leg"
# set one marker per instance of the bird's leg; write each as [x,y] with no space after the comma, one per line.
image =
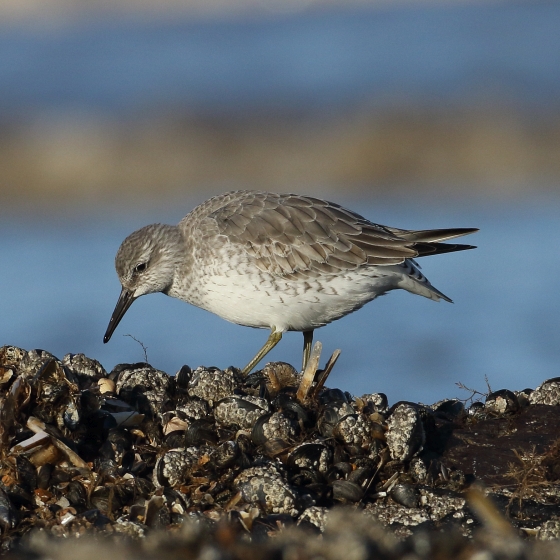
[307,342]
[273,339]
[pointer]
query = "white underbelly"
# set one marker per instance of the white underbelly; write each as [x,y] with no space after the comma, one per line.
[264,301]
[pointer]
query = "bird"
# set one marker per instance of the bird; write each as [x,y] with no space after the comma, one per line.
[283,262]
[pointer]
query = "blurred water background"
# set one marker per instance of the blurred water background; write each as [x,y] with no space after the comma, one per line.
[416,114]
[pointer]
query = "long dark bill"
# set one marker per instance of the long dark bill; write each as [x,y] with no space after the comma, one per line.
[124,302]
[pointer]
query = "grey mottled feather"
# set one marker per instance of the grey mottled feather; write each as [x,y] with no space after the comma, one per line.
[290,234]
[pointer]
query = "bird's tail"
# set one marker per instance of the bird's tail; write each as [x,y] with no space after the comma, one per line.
[428,241]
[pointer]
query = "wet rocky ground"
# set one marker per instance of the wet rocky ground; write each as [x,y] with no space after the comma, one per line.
[210,464]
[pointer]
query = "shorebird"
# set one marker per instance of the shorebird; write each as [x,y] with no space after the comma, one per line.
[283,262]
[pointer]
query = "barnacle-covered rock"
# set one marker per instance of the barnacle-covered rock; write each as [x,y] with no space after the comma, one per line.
[265,487]
[210,385]
[418,469]
[226,454]
[271,427]
[353,429]
[84,368]
[316,516]
[240,411]
[193,409]
[291,408]
[315,455]
[12,356]
[550,530]
[376,402]
[33,361]
[502,402]
[331,414]
[405,432]
[239,458]
[57,395]
[279,375]
[173,467]
[148,389]
[547,393]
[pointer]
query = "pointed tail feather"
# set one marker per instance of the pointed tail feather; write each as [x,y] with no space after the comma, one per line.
[426,249]
[432,235]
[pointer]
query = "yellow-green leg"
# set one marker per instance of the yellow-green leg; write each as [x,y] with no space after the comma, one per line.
[307,343]
[273,339]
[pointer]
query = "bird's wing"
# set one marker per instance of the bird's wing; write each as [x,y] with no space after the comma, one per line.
[292,234]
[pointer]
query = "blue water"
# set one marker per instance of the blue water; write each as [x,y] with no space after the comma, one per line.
[58,289]
[506,51]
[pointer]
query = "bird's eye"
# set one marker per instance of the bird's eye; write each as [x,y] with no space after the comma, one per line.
[140,267]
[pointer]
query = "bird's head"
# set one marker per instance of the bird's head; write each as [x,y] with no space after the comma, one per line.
[146,263]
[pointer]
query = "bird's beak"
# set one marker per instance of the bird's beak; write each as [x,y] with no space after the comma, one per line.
[124,302]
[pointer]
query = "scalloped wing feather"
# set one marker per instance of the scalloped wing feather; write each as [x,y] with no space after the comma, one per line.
[287,234]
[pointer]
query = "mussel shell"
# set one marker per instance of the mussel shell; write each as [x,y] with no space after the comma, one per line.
[263,527]
[71,415]
[11,356]
[210,384]
[361,474]
[27,473]
[174,467]
[502,402]
[240,411]
[347,491]
[291,408]
[257,434]
[182,377]
[226,454]
[120,439]
[139,469]
[20,496]
[405,435]
[175,439]
[276,446]
[331,415]
[476,409]
[6,376]
[76,494]
[334,396]
[44,476]
[406,495]
[453,410]
[274,432]
[89,403]
[8,514]
[375,403]
[147,389]
[269,492]
[111,497]
[306,477]
[200,432]
[313,456]
[86,370]
[143,487]
[339,471]
[157,514]
[282,373]
[99,424]
[96,518]
[60,475]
